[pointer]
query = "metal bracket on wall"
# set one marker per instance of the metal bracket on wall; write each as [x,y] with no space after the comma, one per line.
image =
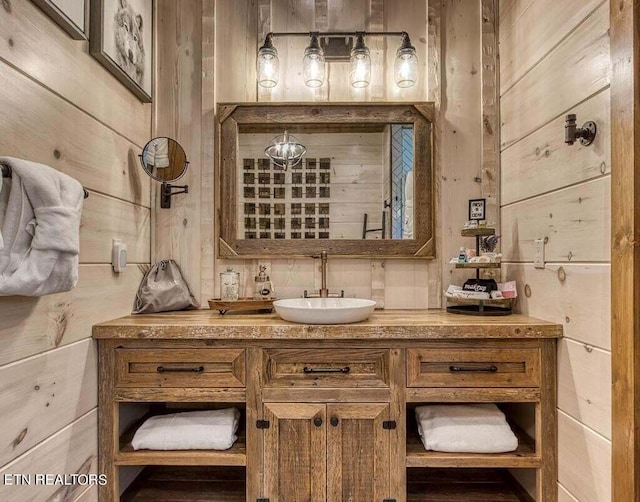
[586,134]
[166,192]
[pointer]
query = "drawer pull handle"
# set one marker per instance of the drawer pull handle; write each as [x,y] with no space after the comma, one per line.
[317,421]
[485,369]
[197,369]
[334,421]
[344,370]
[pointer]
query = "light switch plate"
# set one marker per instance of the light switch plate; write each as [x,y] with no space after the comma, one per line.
[538,253]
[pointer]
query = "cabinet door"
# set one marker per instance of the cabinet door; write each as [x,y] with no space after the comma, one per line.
[357,452]
[295,455]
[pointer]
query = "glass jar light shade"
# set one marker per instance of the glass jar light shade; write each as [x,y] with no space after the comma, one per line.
[360,63]
[313,63]
[268,66]
[406,67]
[313,66]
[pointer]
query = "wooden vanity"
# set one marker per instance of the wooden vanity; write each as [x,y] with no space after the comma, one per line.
[313,430]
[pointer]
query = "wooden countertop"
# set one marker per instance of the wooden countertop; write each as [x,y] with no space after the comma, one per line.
[388,324]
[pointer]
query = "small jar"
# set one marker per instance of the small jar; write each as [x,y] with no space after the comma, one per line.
[229,285]
[263,287]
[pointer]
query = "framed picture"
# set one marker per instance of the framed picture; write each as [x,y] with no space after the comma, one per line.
[70,15]
[477,209]
[122,40]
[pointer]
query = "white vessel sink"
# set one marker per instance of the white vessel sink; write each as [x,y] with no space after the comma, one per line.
[324,310]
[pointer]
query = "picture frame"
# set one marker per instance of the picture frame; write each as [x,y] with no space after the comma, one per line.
[122,41]
[477,209]
[70,15]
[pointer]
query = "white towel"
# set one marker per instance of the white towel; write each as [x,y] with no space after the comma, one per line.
[465,428]
[157,153]
[40,230]
[191,430]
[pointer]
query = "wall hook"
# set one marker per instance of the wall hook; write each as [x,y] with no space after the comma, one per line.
[586,134]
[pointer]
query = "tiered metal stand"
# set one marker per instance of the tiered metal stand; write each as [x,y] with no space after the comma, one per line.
[479,307]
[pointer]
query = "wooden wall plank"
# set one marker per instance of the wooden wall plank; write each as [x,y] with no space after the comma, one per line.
[89,495]
[207,234]
[37,125]
[576,221]
[575,295]
[236,48]
[178,115]
[625,265]
[33,325]
[490,111]
[584,466]
[434,93]
[584,385]
[542,162]
[43,394]
[460,143]
[559,80]
[510,11]
[71,450]
[30,41]
[564,495]
[528,40]
[404,284]
[105,218]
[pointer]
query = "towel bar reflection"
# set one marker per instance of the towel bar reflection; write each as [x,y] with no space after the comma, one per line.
[6,173]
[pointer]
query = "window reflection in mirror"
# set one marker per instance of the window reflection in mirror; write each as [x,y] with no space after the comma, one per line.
[353,183]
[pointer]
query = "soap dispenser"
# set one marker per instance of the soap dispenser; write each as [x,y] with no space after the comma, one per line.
[263,287]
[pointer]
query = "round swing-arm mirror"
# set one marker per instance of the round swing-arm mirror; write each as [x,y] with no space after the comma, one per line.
[164,159]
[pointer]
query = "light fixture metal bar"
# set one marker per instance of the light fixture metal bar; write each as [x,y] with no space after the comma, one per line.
[337,34]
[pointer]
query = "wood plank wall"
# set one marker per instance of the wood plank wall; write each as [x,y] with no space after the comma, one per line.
[554,60]
[60,107]
[229,43]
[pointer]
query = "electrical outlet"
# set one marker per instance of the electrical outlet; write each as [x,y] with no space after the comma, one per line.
[538,253]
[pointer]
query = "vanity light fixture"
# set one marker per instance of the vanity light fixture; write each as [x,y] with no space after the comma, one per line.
[338,46]
[285,151]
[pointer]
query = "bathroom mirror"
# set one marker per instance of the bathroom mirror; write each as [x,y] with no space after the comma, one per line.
[349,190]
[164,159]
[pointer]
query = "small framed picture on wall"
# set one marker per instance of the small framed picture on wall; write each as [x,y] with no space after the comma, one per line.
[70,15]
[122,40]
[477,209]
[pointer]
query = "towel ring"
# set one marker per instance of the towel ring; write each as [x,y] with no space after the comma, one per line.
[6,173]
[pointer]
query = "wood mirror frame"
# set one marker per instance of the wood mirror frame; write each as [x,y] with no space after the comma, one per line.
[253,115]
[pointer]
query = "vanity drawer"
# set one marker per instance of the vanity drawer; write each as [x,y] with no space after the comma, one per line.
[326,368]
[473,367]
[180,367]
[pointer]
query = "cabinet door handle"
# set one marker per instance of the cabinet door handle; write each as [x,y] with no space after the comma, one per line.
[317,421]
[334,421]
[197,369]
[480,369]
[345,370]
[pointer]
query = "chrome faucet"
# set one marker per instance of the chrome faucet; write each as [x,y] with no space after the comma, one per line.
[324,291]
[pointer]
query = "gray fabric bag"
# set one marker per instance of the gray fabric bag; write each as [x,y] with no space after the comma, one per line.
[163,289]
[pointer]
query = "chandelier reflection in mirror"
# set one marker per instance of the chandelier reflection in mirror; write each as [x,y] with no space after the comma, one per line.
[330,47]
[285,151]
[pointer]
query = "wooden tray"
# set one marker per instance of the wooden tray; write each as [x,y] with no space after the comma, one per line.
[240,305]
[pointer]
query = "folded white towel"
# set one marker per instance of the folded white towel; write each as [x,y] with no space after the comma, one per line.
[191,430]
[465,428]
